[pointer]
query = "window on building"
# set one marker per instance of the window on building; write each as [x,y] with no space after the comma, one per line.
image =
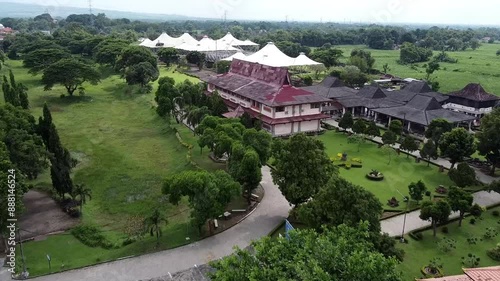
[315,105]
[280,109]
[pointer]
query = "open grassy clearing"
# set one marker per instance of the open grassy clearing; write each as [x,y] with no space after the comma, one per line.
[124,151]
[419,253]
[397,175]
[479,66]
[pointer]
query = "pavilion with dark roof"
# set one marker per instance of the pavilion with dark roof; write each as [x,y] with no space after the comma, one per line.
[472,100]
[265,92]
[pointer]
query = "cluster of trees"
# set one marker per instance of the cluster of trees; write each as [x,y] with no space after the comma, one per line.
[309,181]
[15,93]
[411,53]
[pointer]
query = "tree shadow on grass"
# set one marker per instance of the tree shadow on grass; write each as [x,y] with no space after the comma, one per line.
[60,101]
[106,71]
[123,91]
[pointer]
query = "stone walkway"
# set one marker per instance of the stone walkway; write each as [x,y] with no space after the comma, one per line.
[271,212]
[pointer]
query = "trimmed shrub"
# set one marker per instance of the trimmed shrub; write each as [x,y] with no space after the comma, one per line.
[494,253]
[472,221]
[91,236]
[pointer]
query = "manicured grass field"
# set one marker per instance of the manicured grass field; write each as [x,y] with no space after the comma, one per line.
[479,66]
[397,175]
[419,253]
[124,151]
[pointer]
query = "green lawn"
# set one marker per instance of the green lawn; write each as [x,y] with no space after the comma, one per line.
[479,66]
[419,253]
[124,151]
[397,175]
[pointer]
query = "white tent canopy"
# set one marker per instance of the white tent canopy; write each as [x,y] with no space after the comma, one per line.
[166,41]
[272,56]
[148,43]
[238,55]
[206,45]
[303,60]
[231,40]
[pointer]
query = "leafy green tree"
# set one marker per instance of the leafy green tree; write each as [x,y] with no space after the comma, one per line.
[352,76]
[328,56]
[299,176]
[456,145]
[40,59]
[195,115]
[389,152]
[208,193]
[372,129]
[84,193]
[409,144]
[474,44]
[488,136]
[437,128]
[217,105]
[141,73]
[346,122]
[133,55]
[70,73]
[260,141]
[247,120]
[428,151]
[494,186]
[362,59]
[389,138]
[460,201]
[356,139]
[341,202]
[396,127]
[245,168]
[10,94]
[432,67]
[222,66]
[108,51]
[410,53]
[417,190]
[436,212]
[153,224]
[463,175]
[165,96]
[168,56]
[196,58]
[386,68]
[309,255]
[359,127]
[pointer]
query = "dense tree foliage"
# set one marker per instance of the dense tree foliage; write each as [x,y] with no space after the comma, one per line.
[417,190]
[327,55]
[411,53]
[463,175]
[460,201]
[40,59]
[208,193]
[14,93]
[456,145]
[389,138]
[436,212]
[409,144]
[346,122]
[396,126]
[70,73]
[141,74]
[372,129]
[437,128]
[429,151]
[359,127]
[168,56]
[489,138]
[312,256]
[134,55]
[299,176]
[362,59]
[108,51]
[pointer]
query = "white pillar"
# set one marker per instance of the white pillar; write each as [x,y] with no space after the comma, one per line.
[343,110]
[409,126]
[353,111]
[390,120]
[470,126]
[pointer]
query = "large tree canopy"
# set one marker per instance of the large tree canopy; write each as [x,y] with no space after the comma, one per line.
[208,193]
[40,59]
[437,128]
[341,253]
[70,73]
[134,55]
[302,167]
[141,73]
[489,138]
[108,51]
[457,145]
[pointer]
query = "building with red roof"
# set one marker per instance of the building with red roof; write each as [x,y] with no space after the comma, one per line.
[491,273]
[265,92]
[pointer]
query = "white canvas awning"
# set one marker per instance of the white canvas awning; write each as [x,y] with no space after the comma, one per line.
[148,43]
[238,55]
[206,45]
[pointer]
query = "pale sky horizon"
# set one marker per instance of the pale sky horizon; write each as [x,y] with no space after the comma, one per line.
[479,12]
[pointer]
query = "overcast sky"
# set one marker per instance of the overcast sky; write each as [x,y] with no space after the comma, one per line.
[485,12]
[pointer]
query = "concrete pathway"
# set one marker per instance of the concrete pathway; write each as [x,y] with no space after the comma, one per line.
[394,225]
[271,212]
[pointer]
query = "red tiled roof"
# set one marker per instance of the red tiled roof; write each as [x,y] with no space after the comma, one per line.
[483,274]
[448,278]
[238,112]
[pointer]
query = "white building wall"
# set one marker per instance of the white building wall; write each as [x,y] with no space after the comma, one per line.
[296,126]
[467,109]
[307,126]
[282,129]
[307,110]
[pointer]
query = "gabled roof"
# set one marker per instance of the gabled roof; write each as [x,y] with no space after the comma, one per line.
[483,274]
[424,103]
[265,84]
[372,92]
[418,87]
[238,112]
[448,278]
[474,92]
[331,87]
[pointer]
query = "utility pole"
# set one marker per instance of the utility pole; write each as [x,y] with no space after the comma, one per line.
[90,14]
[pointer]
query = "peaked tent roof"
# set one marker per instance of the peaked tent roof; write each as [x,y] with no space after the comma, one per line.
[303,60]
[474,92]
[231,40]
[270,55]
[148,43]
[206,45]
[186,38]
[238,55]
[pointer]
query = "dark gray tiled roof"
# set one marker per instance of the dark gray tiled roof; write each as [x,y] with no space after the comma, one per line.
[418,87]
[331,88]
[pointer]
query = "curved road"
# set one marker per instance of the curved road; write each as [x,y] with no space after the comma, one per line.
[272,211]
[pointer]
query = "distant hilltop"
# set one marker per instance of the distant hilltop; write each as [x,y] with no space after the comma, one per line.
[26,10]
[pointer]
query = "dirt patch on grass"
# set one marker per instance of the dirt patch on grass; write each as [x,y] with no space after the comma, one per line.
[43,216]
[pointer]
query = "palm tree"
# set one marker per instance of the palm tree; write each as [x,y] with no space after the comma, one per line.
[84,193]
[152,224]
